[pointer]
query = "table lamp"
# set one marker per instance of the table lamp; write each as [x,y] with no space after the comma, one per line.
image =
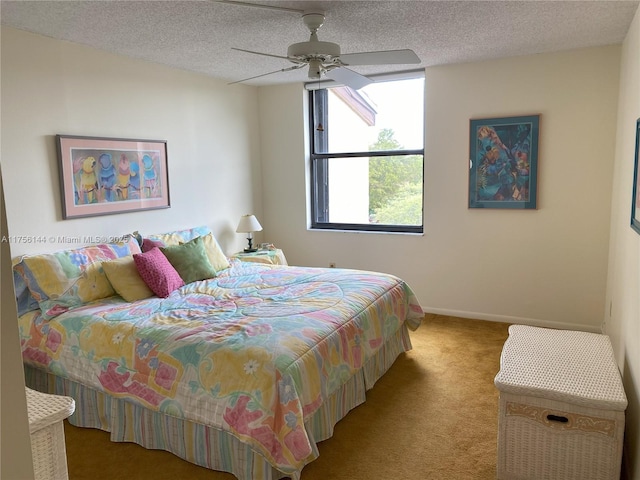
[249,224]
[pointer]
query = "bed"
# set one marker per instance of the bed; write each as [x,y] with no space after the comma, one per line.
[244,371]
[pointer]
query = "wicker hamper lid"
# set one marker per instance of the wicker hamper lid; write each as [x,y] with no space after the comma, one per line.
[568,366]
[44,409]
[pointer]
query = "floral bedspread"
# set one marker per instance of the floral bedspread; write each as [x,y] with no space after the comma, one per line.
[253,351]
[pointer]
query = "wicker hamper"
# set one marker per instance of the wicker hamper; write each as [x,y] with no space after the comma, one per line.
[46,414]
[561,409]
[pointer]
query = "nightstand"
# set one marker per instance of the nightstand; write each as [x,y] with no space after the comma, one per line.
[273,257]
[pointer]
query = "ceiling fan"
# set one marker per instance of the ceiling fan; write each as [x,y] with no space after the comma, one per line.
[325,59]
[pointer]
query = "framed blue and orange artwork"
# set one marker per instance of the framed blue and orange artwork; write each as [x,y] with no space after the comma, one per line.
[503,162]
[635,202]
[102,176]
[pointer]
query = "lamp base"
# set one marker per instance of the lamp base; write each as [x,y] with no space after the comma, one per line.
[250,250]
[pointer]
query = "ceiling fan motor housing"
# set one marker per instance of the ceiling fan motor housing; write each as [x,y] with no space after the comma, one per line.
[314,50]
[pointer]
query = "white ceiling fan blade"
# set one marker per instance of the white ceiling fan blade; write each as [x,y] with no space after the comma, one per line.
[263,54]
[288,69]
[384,57]
[349,78]
[259,5]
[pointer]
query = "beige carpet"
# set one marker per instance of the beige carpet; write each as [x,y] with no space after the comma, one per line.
[432,416]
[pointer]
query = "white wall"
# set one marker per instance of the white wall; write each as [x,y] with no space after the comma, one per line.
[15,441]
[623,285]
[545,267]
[52,87]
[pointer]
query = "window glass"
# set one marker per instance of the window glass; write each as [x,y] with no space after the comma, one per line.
[375,190]
[367,156]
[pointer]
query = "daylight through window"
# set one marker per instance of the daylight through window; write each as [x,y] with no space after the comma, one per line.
[367,156]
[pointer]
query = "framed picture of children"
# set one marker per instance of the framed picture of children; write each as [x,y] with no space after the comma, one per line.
[503,162]
[102,176]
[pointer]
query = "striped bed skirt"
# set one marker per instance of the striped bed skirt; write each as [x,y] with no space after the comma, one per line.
[205,445]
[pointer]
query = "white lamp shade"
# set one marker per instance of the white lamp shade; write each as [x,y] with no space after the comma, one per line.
[248,224]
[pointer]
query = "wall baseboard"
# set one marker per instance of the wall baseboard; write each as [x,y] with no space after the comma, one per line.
[534,322]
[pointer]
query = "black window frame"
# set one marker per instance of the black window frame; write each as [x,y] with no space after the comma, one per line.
[318,139]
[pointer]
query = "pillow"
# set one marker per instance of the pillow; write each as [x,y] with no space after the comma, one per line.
[63,280]
[24,299]
[179,236]
[190,260]
[157,272]
[216,256]
[125,279]
[148,244]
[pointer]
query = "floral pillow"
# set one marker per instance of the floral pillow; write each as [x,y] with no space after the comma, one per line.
[177,237]
[24,299]
[63,280]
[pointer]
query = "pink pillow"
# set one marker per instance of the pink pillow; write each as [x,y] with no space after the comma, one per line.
[157,272]
[148,244]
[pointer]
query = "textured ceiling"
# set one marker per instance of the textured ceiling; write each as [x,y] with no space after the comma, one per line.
[198,35]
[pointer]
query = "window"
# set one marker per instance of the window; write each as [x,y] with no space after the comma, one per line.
[367,156]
